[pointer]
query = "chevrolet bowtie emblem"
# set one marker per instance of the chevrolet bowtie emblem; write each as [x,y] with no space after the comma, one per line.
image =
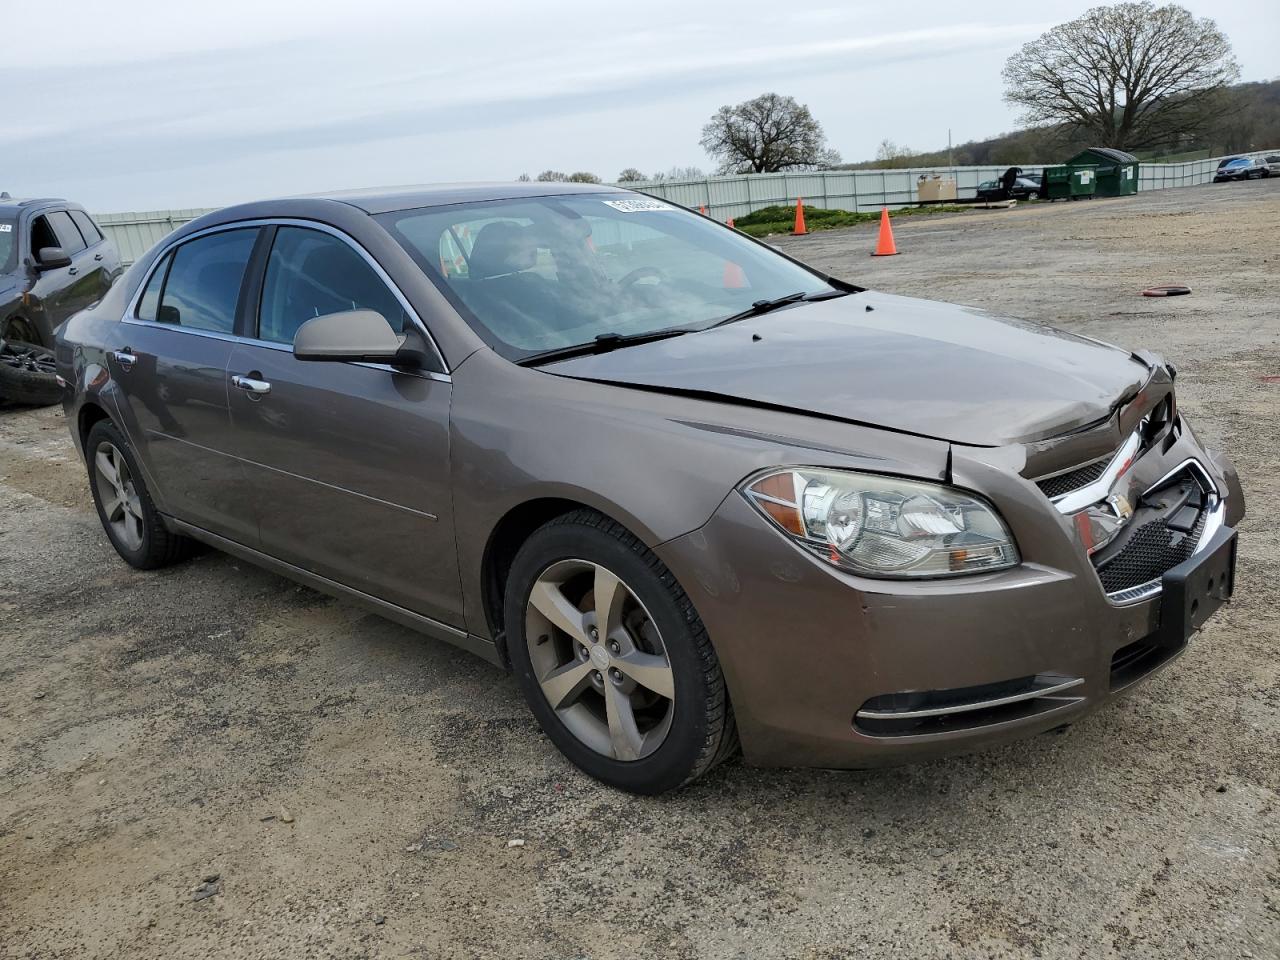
[1120,506]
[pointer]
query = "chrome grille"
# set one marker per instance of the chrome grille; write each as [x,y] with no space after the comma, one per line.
[1153,549]
[1064,483]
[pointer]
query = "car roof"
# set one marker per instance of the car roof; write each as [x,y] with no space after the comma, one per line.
[377,200]
[13,205]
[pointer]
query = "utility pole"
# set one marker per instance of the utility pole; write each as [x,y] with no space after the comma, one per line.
[950,162]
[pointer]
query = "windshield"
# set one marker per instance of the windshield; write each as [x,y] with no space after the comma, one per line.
[545,273]
[8,244]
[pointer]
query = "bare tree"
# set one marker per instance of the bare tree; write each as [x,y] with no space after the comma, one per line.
[679,173]
[551,176]
[890,154]
[583,177]
[1131,75]
[766,135]
[523,178]
[631,175]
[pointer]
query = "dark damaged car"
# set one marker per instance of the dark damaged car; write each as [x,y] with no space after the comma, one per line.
[692,492]
[53,261]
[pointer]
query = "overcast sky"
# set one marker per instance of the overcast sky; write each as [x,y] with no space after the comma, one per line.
[146,104]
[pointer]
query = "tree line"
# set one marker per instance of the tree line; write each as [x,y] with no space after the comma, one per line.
[1132,75]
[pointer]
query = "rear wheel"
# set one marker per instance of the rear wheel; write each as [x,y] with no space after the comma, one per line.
[612,658]
[129,517]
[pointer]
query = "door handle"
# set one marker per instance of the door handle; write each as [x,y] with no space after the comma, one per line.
[124,358]
[97,256]
[73,271]
[256,389]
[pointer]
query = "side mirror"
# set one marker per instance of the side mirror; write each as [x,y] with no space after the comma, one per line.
[52,258]
[360,335]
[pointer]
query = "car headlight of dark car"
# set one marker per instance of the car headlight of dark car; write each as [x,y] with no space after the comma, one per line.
[880,526]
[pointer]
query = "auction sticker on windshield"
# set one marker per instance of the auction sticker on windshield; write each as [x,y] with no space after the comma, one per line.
[637,206]
[6,228]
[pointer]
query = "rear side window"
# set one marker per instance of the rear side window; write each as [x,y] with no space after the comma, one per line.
[88,229]
[204,279]
[150,301]
[312,274]
[69,238]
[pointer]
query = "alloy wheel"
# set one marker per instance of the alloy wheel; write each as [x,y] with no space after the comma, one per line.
[25,356]
[120,502]
[599,659]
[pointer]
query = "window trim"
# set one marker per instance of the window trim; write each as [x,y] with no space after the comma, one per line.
[131,311]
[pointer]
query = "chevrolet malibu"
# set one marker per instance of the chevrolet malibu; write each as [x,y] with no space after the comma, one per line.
[693,493]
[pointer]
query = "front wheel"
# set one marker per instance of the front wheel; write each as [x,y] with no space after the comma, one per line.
[28,374]
[612,658]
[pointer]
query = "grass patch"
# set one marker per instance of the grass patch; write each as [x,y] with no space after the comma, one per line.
[780,219]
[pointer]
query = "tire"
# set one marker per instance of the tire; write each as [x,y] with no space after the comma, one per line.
[132,522]
[27,375]
[659,622]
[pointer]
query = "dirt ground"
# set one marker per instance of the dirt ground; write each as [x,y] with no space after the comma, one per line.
[355,787]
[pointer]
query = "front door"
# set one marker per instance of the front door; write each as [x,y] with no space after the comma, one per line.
[348,462]
[84,276]
[171,368]
[50,297]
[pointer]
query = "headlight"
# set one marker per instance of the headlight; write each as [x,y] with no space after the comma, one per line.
[884,526]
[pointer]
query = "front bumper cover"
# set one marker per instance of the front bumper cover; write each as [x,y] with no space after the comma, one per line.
[805,646]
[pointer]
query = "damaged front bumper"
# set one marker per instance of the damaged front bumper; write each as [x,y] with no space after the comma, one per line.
[834,670]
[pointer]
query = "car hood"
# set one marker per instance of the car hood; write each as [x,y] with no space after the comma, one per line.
[916,366]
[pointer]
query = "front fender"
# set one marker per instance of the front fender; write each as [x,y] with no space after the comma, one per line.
[661,465]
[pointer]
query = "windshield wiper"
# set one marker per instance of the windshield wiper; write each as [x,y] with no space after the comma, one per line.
[764,306]
[603,343]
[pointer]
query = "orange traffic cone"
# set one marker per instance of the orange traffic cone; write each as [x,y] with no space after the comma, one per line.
[729,223]
[734,277]
[885,247]
[799,230]
[703,210]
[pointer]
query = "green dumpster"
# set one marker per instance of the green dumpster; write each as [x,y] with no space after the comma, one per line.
[1069,183]
[1117,170]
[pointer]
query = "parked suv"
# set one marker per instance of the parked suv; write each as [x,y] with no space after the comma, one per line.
[54,261]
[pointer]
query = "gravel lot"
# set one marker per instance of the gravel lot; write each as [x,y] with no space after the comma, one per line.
[355,787]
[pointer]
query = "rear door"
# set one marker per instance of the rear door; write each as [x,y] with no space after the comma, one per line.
[348,462]
[171,366]
[101,256]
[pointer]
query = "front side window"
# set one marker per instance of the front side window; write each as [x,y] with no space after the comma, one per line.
[42,236]
[543,273]
[69,238]
[203,282]
[313,274]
